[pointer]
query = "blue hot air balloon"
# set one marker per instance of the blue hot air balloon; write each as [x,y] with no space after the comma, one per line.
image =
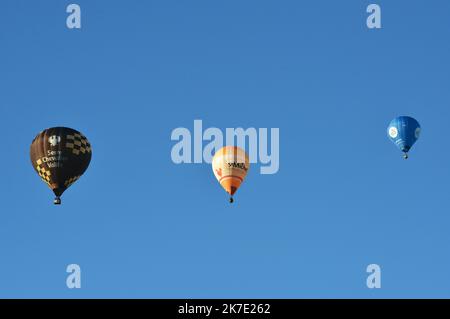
[404,131]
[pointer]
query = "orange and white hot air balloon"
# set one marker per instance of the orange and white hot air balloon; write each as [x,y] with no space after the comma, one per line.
[230,166]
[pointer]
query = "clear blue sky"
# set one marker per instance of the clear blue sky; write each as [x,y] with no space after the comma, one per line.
[141,226]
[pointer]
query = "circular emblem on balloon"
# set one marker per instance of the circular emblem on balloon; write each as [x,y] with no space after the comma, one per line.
[393,132]
[417,132]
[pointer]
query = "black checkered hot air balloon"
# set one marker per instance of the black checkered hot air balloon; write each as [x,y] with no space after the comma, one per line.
[60,155]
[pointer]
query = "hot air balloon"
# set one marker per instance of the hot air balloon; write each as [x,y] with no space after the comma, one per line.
[230,165]
[60,155]
[404,131]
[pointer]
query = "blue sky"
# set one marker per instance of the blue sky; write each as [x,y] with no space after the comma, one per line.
[142,227]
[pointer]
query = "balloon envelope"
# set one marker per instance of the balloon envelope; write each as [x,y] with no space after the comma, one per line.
[404,131]
[60,155]
[230,166]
